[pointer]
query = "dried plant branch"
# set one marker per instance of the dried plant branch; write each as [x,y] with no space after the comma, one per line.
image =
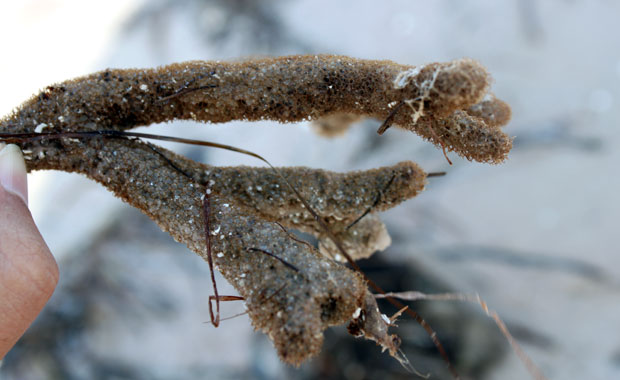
[285,89]
[323,293]
[249,209]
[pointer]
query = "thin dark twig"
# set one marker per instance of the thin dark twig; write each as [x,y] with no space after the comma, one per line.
[293,237]
[230,317]
[375,203]
[169,161]
[206,212]
[245,312]
[435,174]
[252,249]
[31,137]
[185,91]
[227,298]
[301,241]
[387,123]
[440,141]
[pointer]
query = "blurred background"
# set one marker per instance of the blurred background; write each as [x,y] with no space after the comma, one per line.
[534,237]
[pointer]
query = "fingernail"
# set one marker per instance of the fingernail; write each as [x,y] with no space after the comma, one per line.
[13,171]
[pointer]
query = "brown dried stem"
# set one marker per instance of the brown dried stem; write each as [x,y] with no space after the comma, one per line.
[285,89]
[249,206]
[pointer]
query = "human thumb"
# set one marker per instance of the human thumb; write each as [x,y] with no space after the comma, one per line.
[28,271]
[13,171]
